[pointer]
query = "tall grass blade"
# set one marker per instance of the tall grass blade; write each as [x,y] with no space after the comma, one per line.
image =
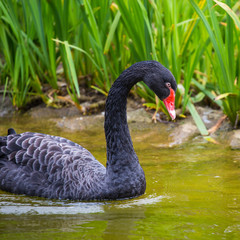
[197,119]
[224,67]
[212,37]
[230,12]
[73,78]
[112,32]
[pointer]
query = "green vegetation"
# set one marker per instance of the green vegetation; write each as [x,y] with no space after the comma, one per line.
[89,42]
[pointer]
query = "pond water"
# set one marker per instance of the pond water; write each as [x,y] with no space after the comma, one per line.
[192,193]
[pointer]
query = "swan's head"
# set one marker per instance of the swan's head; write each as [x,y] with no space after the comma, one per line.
[163,83]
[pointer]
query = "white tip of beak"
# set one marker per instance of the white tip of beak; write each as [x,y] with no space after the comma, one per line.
[172,114]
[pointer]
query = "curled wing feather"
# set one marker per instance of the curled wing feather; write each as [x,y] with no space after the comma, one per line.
[49,166]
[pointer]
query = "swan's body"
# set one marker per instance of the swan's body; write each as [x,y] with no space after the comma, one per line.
[54,167]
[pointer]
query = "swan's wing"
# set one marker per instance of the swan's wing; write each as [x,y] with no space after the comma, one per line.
[49,166]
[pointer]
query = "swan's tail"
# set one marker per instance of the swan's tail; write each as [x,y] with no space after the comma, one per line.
[3,139]
[3,142]
[7,167]
[11,131]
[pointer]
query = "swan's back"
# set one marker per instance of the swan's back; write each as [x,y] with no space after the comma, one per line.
[49,166]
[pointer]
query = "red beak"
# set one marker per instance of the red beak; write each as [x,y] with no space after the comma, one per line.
[169,103]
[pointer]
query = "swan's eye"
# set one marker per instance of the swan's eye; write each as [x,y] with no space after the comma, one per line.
[168,85]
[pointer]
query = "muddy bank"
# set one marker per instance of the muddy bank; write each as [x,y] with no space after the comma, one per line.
[178,132]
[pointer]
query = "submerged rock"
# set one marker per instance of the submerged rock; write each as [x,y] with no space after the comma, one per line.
[95,121]
[49,112]
[79,123]
[183,133]
[178,134]
[209,116]
[139,115]
[6,107]
[235,139]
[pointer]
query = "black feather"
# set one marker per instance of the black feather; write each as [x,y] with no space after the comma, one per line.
[11,131]
[54,167]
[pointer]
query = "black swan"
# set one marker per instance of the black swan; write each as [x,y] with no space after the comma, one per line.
[48,166]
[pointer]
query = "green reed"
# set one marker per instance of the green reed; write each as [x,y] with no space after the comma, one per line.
[222,27]
[48,42]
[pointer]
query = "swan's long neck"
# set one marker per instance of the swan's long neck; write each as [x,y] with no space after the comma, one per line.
[120,152]
[124,175]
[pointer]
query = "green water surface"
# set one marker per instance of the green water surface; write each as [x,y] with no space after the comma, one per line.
[193,192]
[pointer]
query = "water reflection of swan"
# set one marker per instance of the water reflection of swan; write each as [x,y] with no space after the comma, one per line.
[54,167]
